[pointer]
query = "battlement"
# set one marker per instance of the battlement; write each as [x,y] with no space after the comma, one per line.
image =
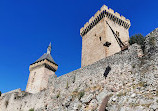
[105,12]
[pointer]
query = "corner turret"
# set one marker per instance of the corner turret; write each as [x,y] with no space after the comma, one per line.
[40,71]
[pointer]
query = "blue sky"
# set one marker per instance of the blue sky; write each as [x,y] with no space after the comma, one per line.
[27,27]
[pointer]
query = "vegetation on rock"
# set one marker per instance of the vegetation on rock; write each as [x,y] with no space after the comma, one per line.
[67,85]
[139,39]
[32,109]
[81,94]
[152,41]
[6,103]
[58,95]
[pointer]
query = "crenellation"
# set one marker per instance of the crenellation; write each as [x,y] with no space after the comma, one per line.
[123,23]
[91,19]
[111,11]
[128,21]
[123,18]
[104,11]
[117,14]
[128,26]
[81,29]
[104,7]
[85,25]
[97,14]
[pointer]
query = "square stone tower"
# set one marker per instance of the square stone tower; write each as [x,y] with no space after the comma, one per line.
[40,72]
[105,34]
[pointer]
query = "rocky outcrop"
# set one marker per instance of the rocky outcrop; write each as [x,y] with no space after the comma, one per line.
[142,94]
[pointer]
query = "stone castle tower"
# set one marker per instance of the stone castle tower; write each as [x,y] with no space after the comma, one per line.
[40,71]
[105,34]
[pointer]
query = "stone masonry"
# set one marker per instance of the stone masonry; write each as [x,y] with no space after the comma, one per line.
[125,81]
[66,89]
[98,31]
[131,84]
[40,72]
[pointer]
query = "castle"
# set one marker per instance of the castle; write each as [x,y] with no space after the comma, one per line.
[113,75]
[104,35]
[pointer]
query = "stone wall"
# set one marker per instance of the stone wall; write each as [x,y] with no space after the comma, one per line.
[142,94]
[92,48]
[16,90]
[38,79]
[94,72]
[65,92]
[129,80]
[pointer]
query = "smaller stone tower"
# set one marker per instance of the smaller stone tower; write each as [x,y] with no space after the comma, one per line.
[40,71]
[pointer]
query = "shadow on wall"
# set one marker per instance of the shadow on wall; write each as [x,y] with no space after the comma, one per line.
[104,103]
[108,69]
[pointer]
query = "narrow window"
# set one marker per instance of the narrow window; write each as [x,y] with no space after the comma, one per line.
[34,73]
[108,69]
[33,80]
[100,38]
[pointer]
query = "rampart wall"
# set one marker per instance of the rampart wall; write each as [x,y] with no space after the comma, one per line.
[64,92]
[127,78]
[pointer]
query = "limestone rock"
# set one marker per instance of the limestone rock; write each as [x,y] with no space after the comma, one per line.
[87,98]
[93,105]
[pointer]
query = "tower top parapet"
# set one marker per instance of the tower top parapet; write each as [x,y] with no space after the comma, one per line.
[105,12]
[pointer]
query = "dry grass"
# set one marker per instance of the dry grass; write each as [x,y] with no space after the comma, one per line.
[121,94]
[79,94]
[58,95]
[146,105]
[6,103]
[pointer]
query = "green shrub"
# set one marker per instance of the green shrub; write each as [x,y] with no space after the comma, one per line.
[152,41]
[81,94]
[74,78]
[139,39]
[142,84]
[133,66]
[156,93]
[58,95]
[6,103]
[67,85]
[32,109]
